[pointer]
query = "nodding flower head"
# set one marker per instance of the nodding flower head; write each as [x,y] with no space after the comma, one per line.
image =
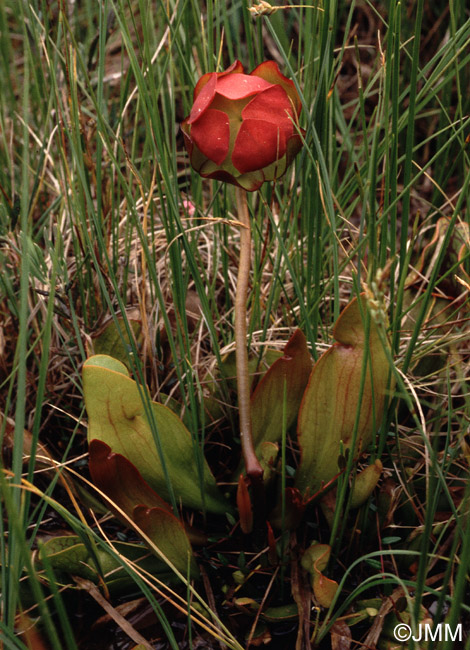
[243,128]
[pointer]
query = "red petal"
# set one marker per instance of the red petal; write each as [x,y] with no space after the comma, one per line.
[270,72]
[211,135]
[258,145]
[203,96]
[236,67]
[238,86]
[200,84]
[272,105]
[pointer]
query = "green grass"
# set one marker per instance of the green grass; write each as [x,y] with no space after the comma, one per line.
[94,226]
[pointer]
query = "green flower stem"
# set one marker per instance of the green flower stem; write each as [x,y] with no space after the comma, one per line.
[254,471]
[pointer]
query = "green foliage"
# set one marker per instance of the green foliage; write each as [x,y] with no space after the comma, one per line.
[102,220]
[121,415]
[69,556]
[122,454]
[344,403]
[114,340]
[365,483]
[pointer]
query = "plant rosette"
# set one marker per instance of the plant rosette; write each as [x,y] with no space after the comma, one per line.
[244,128]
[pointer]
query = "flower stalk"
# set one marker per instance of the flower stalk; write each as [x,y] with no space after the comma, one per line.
[244,129]
[254,471]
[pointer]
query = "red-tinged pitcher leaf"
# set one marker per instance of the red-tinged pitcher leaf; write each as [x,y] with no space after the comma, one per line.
[315,560]
[167,533]
[332,399]
[287,376]
[316,557]
[293,513]
[119,413]
[324,589]
[120,480]
[123,484]
[244,506]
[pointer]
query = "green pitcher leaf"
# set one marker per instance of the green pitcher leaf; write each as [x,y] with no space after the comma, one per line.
[117,417]
[228,367]
[67,554]
[113,339]
[268,452]
[167,533]
[107,362]
[331,401]
[281,613]
[365,483]
[287,376]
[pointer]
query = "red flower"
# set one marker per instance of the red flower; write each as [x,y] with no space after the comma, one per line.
[243,128]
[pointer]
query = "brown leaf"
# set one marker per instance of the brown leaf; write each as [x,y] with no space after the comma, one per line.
[341,637]
[28,630]
[302,598]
